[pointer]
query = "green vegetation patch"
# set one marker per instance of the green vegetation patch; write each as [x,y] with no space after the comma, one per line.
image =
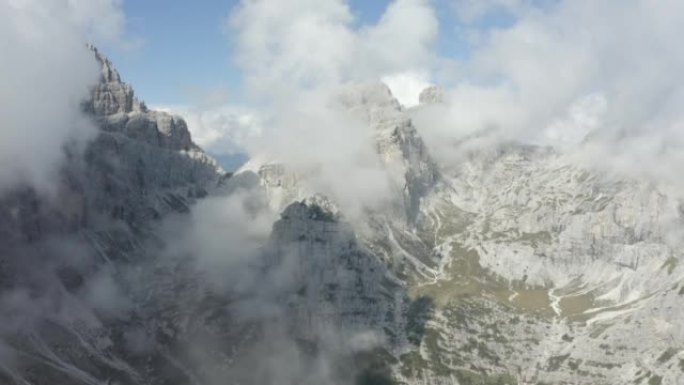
[574,306]
[468,279]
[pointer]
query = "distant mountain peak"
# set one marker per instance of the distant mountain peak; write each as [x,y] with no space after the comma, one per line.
[431,95]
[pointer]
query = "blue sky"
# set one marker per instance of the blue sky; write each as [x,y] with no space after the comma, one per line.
[186,54]
[184,49]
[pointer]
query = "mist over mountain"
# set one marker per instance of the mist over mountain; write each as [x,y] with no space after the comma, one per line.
[519,221]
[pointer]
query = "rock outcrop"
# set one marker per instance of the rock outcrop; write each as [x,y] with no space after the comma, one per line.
[66,312]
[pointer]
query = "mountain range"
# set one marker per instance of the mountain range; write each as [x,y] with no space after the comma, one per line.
[153,265]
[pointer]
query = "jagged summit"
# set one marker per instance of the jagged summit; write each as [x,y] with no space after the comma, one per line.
[111,95]
[141,167]
[114,104]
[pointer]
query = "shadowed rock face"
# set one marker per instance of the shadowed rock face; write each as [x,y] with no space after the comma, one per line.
[339,282]
[142,166]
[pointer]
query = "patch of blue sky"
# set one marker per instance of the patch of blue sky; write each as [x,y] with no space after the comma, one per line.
[187,54]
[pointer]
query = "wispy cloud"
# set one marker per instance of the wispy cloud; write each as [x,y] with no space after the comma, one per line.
[568,68]
[296,55]
[46,72]
[220,130]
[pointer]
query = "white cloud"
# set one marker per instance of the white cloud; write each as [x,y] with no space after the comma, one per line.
[101,19]
[292,44]
[407,86]
[401,41]
[220,130]
[296,55]
[469,11]
[303,44]
[520,82]
[45,74]
[583,117]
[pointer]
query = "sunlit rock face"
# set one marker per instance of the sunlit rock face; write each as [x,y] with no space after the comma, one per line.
[399,146]
[536,270]
[570,261]
[111,96]
[514,266]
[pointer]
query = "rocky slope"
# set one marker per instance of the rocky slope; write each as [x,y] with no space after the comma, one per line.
[553,274]
[535,270]
[65,311]
[513,267]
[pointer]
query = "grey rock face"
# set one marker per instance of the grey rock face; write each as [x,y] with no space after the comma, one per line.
[117,109]
[111,95]
[431,95]
[153,127]
[399,146]
[401,150]
[57,253]
[339,283]
[561,266]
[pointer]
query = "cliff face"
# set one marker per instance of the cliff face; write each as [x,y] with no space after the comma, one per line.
[64,309]
[516,266]
[141,165]
[400,148]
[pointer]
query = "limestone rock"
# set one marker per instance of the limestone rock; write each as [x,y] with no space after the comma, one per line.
[431,95]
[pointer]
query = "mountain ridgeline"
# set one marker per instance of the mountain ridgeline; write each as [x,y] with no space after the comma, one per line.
[152,266]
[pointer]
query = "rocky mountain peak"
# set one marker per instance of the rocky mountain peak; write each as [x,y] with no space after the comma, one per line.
[114,105]
[108,74]
[398,144]
[111,95]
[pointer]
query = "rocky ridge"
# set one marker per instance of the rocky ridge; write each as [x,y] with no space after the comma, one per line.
[539,270]
[514,267]
[65,309]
